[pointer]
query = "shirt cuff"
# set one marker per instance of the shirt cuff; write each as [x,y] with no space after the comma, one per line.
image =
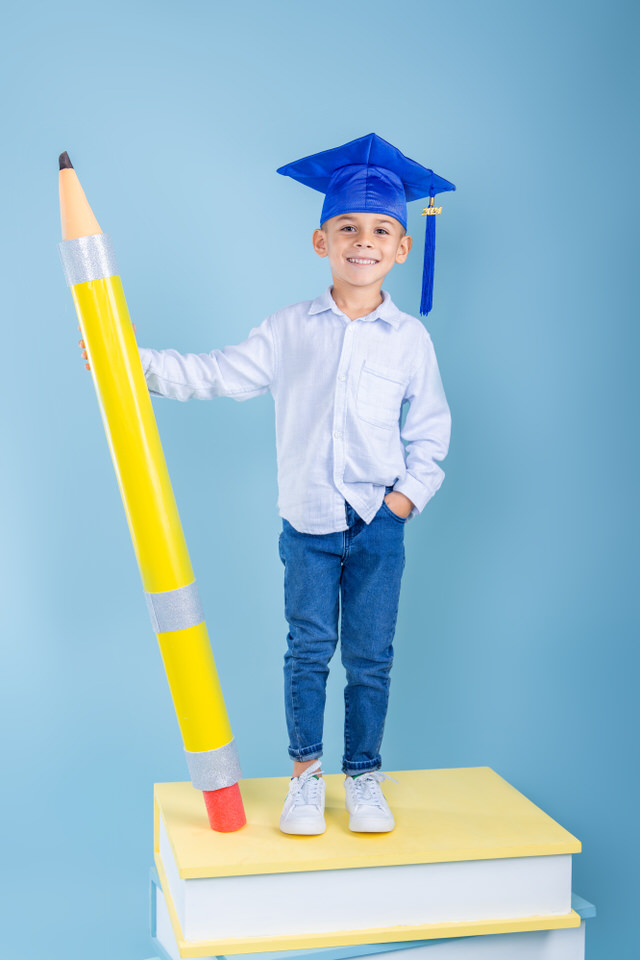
[415,491]
[145,359]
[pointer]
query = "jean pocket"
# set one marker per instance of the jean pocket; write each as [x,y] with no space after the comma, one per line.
[396,516]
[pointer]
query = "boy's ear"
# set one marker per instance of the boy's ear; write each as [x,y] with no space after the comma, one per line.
[319,241]
[403,248]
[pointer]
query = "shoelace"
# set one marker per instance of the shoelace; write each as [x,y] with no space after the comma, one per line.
[306,787]
[367,787]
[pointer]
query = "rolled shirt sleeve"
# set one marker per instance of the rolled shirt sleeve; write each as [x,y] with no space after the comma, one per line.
[240,372]
[426,430]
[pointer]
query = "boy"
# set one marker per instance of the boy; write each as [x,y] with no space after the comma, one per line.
[340,369]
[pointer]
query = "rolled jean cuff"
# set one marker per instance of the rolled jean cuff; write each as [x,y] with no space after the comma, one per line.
[361,766]
[306,753]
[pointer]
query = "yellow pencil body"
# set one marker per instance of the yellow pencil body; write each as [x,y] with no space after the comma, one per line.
[150,505]
[132,434]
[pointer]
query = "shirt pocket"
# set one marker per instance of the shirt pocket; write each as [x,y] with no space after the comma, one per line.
[380,395]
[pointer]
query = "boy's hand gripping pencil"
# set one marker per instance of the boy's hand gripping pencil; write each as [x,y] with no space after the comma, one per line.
[167,576]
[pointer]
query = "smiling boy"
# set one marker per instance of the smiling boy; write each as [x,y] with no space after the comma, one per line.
[362,248]
[341,369]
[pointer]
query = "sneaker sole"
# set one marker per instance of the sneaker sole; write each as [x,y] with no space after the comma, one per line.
[370,826]
[304,830]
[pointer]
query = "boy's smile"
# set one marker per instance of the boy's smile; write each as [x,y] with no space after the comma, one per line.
[361,247]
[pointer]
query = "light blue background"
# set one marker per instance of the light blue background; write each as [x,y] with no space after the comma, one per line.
[517,639]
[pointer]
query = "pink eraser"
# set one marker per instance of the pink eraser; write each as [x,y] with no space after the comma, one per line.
[225,809]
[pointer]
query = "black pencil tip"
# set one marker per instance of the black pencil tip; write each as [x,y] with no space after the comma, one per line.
[65,163]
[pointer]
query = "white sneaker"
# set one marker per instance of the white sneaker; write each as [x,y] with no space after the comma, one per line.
[303,811]
[365,802]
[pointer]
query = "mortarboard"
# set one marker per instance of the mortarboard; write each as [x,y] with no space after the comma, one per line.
[369,175]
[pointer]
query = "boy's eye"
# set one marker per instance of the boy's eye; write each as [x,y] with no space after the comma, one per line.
[381,230]
[348,226]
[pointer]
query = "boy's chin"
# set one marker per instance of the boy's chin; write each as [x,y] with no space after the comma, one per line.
[358,283]
[360,278]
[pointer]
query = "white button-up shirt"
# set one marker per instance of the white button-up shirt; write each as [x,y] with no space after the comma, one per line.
[339,388]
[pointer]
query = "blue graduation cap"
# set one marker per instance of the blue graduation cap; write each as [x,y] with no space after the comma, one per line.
[369,175]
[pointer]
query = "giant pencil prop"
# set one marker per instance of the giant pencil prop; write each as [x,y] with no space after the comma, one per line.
[167,576]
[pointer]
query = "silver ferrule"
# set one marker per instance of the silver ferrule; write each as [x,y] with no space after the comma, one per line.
[175,609]
[88,258]
[214,769]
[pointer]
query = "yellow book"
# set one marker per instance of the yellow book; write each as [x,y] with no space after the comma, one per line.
[469,855]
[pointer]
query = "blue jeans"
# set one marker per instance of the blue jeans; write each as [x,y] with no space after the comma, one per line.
[357,572]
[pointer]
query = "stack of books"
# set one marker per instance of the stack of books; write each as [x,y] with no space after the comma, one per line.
[472,869]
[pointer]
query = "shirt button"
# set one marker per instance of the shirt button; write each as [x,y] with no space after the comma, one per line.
[342,377]
[338,434]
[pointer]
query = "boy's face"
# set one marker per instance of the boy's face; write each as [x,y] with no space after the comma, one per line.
[362,247]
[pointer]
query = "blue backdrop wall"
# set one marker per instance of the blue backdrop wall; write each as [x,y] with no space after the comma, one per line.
[516,644]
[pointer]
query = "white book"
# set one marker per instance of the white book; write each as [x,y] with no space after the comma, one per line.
[469,855]
[563,944]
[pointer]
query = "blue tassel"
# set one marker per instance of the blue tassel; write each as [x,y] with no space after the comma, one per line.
[429,260]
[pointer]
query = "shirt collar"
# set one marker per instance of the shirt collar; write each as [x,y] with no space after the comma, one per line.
[387,310]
